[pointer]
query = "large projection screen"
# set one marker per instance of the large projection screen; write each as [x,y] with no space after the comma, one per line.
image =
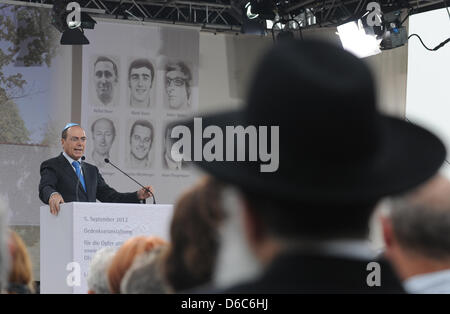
[428,89]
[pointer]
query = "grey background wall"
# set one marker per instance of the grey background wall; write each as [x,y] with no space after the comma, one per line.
[225,66]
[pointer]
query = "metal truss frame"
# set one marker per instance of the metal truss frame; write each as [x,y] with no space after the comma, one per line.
[228,15]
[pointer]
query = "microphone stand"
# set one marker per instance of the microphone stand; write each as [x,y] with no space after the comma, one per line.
[153,195]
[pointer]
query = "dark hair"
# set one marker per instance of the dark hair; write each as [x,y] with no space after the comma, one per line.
[106,59]
[107,120]
[310,220]
[64,133]
[183,68]
[141,63]
[192,255]
[145,124]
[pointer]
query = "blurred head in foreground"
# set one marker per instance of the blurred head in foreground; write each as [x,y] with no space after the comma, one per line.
[417,237]
[194,236]
[126,255]
[309,174]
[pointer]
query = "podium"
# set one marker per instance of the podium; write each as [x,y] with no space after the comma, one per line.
[70,240]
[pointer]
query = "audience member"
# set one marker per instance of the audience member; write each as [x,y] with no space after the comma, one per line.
[306,222]
[97,279]
[125,256]
[417,237]
[145,274]
[21,273]
[194,236]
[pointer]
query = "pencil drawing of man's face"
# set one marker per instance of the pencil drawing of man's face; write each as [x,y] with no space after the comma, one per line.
[176,89]
[103,136]
[140,82]
[140,141]
[105,81]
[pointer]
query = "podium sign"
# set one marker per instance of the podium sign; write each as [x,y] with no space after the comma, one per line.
[69,240]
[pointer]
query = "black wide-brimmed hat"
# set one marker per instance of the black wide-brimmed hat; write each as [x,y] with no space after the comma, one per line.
[334,145]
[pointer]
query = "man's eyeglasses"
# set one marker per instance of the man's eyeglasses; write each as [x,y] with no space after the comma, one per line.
[177,81]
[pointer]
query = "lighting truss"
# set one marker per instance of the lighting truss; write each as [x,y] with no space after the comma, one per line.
[228,15]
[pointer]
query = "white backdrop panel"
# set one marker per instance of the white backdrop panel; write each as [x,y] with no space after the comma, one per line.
[172,95]
[428,94]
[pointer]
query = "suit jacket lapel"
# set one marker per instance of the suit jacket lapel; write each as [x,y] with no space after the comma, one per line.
[87,178]
[68,168]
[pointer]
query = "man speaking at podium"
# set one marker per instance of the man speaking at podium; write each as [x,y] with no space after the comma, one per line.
[67,179]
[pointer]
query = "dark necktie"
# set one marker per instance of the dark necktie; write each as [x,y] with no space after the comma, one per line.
[77,166]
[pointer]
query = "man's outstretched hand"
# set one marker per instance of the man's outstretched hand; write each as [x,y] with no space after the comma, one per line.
[143,194]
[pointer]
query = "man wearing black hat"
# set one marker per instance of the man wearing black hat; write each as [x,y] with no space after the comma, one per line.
[307,222]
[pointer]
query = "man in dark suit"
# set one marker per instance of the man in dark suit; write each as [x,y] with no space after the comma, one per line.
[305,224]
[66,179]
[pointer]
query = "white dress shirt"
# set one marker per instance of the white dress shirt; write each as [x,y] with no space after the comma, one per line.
[70,160]
[435,282]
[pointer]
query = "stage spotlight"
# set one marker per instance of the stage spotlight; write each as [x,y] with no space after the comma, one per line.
[393,38]
[395,34]
[354,39]
[73,33]
[364,40]
[286,29]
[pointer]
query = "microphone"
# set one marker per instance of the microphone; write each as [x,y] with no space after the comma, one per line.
[153,195]
[78,181]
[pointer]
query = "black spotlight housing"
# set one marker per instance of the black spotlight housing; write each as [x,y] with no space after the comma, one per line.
[70,36]
[395,35]
[74,36]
